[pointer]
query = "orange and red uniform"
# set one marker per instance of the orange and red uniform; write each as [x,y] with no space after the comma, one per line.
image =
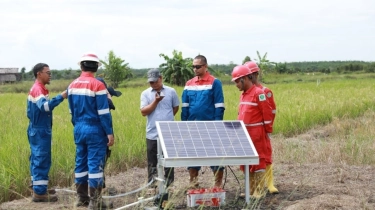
[271,101]
[256,113]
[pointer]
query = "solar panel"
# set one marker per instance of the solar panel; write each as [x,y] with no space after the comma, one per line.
[205,143]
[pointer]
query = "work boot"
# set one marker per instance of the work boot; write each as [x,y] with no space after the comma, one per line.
[44,198]
[50,191]
[193,178]
[218,178]
[96,201]
[269,180]
[259,180]
[83,195]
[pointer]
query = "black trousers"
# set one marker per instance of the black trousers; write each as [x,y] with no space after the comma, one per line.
[152,160]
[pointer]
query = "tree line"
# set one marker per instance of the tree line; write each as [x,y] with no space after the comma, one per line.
[177,69]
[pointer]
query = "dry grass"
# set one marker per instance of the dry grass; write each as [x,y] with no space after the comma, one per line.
[346,141]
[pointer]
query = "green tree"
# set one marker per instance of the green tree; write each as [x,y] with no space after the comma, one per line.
[264,64]
[371,68]
[176,70]
[281,68]
[23,71]
[115,70]
[246,59]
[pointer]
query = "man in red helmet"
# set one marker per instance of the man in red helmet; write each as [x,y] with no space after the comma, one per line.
[92,121]
[256,113]
[269,96]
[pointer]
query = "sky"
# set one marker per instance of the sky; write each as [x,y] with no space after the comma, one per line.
[59,32]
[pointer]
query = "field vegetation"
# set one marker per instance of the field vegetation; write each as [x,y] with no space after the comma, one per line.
[304,101]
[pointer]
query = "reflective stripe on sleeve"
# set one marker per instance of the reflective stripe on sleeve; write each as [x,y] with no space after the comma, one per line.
[185,105]
[219,105]
[103,111]
[46,107]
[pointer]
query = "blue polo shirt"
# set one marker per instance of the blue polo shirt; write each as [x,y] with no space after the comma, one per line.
[162,112]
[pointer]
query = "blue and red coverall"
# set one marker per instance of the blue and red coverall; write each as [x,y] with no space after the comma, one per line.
[203,99]
[39,133]
[92,121]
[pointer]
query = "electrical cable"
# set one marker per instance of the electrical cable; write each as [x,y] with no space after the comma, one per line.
[113,196]
[131,192]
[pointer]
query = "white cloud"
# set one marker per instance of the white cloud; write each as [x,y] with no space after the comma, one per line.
[58,32]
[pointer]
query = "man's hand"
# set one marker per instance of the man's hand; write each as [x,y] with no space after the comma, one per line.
[64,94]
[111,140]
[159,96]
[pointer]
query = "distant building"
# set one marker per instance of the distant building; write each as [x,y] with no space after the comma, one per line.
[9,75]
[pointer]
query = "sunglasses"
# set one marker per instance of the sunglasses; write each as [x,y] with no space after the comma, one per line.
[198,66]
[47,72]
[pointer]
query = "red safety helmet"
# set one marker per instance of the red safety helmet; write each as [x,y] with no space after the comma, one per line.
[252,66]
[89,57]
[240,71]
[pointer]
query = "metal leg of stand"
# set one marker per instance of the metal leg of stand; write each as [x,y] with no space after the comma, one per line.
[247,190]
[160,170]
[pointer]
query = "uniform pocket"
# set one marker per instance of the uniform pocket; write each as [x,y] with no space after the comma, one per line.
[46,134]
[40,141]
[192,97]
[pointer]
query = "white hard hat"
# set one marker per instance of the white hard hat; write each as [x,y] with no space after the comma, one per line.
[89,57]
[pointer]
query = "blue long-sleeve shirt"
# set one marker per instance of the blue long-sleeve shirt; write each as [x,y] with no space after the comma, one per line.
[203,99]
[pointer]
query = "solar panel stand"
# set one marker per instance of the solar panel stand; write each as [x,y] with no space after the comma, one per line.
[161,178]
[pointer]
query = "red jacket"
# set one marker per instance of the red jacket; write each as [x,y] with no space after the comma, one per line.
[254,109]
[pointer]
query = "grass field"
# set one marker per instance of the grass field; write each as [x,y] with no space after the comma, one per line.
[300,106]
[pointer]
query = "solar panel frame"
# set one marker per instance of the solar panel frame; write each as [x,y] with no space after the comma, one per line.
[230,153]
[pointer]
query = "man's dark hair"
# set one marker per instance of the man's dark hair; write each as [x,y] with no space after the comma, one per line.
[39,67]
[90,66]
[202,58]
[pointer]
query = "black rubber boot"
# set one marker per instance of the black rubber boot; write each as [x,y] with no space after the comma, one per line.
[83,195]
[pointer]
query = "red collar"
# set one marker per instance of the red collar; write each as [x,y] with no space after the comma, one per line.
[206,76]
[41,85]
[87,74]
